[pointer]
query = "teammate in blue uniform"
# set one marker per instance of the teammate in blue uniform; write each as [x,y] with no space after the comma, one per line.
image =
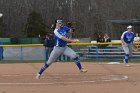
[127,39]
[60,47]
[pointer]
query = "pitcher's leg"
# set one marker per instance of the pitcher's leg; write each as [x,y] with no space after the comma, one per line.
[70,53]
[53,56]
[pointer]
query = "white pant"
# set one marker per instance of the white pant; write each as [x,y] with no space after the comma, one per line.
[128,49]
[57,51]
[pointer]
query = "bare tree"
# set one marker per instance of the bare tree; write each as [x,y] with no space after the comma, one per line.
[91,15]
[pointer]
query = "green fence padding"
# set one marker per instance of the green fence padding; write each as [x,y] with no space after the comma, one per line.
[5,40]
[20,40]
[36,41]
[28,41]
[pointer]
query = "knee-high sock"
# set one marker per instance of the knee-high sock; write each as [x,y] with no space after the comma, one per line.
[126,58]
[77,62]
[43,68]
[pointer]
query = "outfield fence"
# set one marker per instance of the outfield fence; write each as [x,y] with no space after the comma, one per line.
[95,52]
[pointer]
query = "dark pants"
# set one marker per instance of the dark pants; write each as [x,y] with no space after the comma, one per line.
[48,51]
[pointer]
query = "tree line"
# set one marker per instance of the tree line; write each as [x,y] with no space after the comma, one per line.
[91,16]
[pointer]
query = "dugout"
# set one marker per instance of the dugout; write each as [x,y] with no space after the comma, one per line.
[119,26]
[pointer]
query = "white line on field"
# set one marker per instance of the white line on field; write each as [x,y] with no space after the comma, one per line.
[53,83]
[47,83]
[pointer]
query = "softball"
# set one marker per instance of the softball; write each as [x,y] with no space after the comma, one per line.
[1,14]
[77,41]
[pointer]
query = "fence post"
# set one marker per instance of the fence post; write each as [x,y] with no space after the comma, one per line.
[21,55]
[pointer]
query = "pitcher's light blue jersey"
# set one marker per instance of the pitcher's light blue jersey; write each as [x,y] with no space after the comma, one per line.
[58,33]
[128,36]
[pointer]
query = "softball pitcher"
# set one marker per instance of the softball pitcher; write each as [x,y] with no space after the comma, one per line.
[60,47]
[127,39]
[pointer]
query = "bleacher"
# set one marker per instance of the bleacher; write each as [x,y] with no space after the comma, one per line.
[111,52]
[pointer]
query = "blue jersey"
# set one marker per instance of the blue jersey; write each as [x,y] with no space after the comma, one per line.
[58,33]
[128,37]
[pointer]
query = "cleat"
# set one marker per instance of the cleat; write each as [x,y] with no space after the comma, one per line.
[127,65]
[38,76]
[83,70]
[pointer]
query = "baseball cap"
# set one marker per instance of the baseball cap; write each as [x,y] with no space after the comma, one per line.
[128,27]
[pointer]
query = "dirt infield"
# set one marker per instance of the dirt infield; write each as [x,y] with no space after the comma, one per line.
[65,78]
